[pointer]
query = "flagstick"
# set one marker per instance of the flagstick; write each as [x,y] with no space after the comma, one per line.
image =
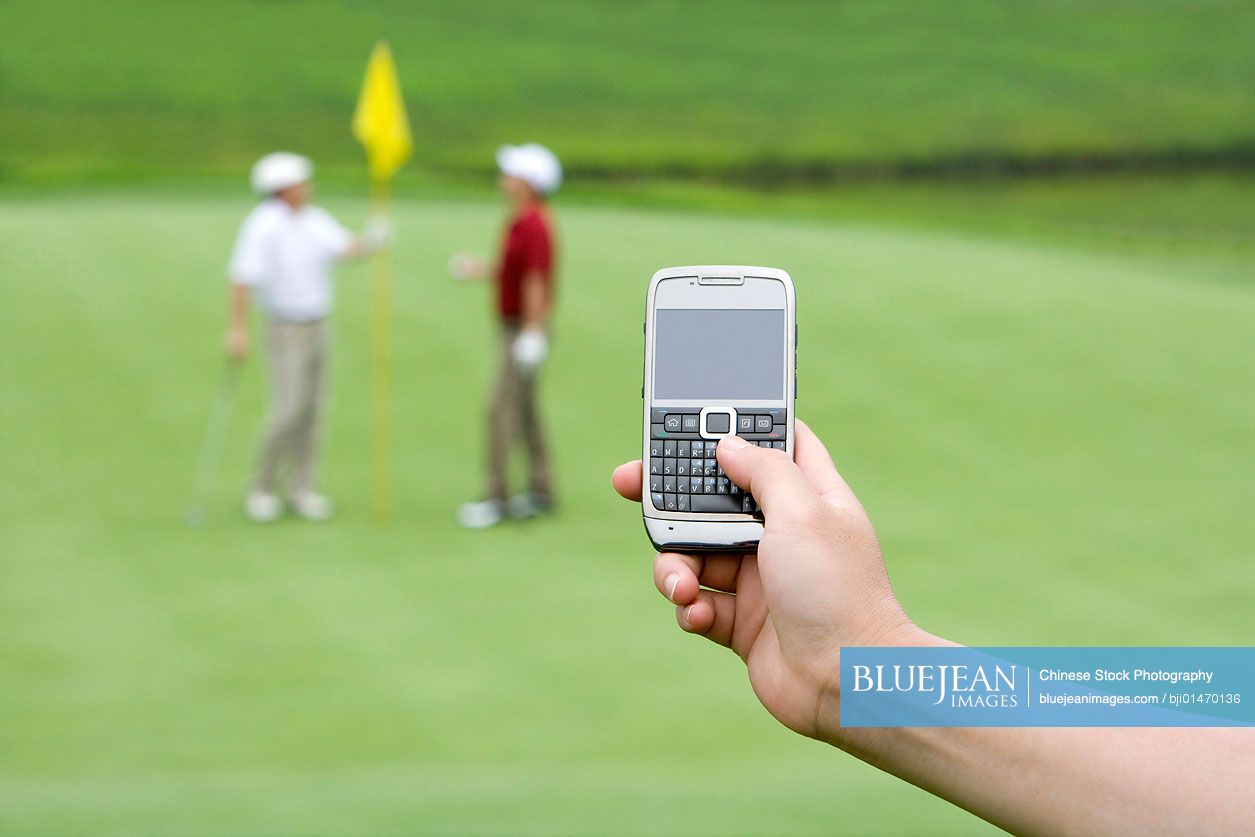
[381,365]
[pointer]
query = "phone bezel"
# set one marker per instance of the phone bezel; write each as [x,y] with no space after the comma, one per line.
[713,286]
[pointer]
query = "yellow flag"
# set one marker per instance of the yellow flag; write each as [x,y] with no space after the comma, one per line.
[379,123]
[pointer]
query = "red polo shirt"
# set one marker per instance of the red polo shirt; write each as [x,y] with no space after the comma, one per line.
[527,248]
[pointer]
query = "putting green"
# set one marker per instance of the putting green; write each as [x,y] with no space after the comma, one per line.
[1054,443]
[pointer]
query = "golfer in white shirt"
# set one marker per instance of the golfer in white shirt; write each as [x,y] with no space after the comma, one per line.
[284,255]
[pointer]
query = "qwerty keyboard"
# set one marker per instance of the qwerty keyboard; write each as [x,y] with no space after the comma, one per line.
[684,475]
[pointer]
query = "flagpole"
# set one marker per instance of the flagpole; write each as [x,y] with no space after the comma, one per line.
[381,364]
[380,125]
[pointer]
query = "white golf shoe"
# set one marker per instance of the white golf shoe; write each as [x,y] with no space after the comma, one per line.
[312,506]
[262,506]
[481,515]
[528,505]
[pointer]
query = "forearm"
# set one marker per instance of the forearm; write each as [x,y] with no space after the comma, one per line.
[535,301]
[1062,780]
[237,307]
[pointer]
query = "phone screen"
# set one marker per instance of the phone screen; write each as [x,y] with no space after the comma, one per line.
[718,353]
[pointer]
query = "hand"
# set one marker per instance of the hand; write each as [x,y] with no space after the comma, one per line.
[530,348]
[464,267]
[236,343]
[818,581]
[376,235]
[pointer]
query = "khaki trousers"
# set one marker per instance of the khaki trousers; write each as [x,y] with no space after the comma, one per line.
[289,449]
[512,414]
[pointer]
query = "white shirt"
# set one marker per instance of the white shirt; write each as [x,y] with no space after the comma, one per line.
[286,255]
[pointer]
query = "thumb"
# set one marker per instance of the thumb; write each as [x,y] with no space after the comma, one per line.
[776,483]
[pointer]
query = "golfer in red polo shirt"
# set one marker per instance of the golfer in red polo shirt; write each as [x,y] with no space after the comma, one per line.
[524,284]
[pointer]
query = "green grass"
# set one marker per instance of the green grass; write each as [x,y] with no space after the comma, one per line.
[1054,442]
[1169,217]
[124,89]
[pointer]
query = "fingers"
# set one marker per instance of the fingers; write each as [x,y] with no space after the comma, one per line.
[712,614]
[815,462]
[779,486]
[680,577]
[627,480]
[704,589]
[676,576]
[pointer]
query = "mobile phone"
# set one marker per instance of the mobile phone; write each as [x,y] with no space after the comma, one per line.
[720,359]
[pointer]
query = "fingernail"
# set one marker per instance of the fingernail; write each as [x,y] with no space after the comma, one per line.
[733,443]
[669,585]
[684,615]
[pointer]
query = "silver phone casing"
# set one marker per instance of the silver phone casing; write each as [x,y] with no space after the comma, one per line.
[688,531]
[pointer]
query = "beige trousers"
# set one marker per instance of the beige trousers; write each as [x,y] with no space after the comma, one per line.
[512,414]
[289,449]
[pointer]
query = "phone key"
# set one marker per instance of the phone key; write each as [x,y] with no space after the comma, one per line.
[657,414]
[779,415]
[722,487]
[690,424]
[712,468]
[717,503]
[668,447]
[655,431]
[733,488]
[682,484]
[668,467]
[668,484]
[655,466]
[762,424]
[670,502]
[681,467]
[682,448]
[711,444]
[671,423]
[655,482]
[748,505]
[655,497]
[655,447]
[778,445]
[744,424]
[682,502]
[695,485]
[764,443]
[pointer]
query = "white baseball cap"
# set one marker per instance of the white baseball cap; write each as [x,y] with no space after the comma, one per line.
[280,170]
[532,163]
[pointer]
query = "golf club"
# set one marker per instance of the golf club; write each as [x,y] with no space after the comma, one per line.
[210,461]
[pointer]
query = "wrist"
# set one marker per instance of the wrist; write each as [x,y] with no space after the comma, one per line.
[900,632]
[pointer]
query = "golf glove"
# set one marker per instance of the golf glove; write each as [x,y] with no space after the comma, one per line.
[529,349]
[463,267]
[376,235]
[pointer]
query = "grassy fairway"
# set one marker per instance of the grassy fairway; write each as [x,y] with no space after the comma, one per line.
[1055,445]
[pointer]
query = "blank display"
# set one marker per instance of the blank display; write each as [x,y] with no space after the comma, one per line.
[707,353]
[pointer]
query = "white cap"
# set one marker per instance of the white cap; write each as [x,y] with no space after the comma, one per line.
[280,170]
[532,163]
